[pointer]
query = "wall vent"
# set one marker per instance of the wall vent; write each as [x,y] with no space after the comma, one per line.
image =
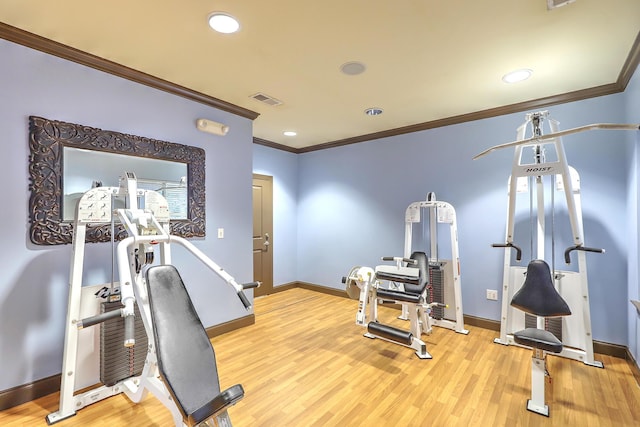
[266,99]
[553,4]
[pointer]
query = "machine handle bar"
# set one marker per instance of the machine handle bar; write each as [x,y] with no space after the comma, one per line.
[94,320]
[244,300]
[251,285]
[509,245]
[539,138]
[439,304]
[567,252]
[128,297]
[243,297]
[407,260]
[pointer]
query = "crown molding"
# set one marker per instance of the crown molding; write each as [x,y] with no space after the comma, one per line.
[477,115]
[630,65]
[275,145]
[60,50]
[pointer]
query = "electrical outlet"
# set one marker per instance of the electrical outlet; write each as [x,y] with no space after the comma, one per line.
[492,294]
[220,233]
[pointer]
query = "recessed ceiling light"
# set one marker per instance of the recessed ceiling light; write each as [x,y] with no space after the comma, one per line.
[353,68]
[289,133]
[223,23]
[373,111]
[517,75]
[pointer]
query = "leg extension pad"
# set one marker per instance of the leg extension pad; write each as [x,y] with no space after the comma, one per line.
[389,332]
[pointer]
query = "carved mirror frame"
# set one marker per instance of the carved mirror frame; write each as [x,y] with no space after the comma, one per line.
[47,139]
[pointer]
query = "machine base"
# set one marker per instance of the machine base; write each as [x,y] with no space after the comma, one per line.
[595,363]
[542,410]
[55,417]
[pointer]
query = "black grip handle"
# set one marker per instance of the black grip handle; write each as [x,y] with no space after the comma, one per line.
[387,258]
[251,285]
[244,299]
[129,331]
[510,245]
[567,252]
[344,279]
[94,320]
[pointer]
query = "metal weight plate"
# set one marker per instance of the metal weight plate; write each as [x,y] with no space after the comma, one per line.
[351,285]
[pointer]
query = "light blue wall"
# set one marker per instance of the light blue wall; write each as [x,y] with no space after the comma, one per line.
[632,108]
[352,202]
[33,289]
[283,167]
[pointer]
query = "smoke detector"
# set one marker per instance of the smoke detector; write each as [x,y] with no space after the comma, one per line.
[553,4]
[353,68]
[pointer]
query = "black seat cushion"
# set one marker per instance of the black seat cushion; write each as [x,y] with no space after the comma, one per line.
[538,295]
[538,338]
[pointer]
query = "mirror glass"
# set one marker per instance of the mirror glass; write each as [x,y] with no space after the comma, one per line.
[84,169]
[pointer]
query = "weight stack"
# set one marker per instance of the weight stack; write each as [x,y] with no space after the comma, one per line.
[116,361]
[553,325]
[436,280]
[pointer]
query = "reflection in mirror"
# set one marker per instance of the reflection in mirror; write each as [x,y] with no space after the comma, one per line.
[85,169]
[52,141]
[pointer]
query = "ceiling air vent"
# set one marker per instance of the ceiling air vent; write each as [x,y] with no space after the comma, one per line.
[266,99]
[552,4]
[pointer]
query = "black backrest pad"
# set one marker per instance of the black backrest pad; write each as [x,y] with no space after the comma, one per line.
[186,359]
[423,267]
[538,295]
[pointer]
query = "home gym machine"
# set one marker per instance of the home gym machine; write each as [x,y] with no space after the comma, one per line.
[549,309]
[170,355]
[428,289]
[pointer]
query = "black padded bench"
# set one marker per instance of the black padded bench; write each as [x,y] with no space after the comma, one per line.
[539,297]
[538,338]
[186,359]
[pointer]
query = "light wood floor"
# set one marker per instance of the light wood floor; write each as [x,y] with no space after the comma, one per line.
[305,363]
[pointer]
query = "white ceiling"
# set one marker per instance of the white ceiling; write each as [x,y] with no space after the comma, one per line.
[426,60]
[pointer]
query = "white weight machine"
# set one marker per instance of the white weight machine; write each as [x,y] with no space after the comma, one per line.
[174,359]
[545,308]
[427,288]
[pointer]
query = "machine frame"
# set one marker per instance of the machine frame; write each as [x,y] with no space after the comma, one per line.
[573,286]
[371,292]
[148,227]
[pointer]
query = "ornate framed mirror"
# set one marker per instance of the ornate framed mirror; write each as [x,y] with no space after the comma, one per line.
[51,140]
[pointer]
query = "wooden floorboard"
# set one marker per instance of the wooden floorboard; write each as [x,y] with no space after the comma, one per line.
[305,363]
